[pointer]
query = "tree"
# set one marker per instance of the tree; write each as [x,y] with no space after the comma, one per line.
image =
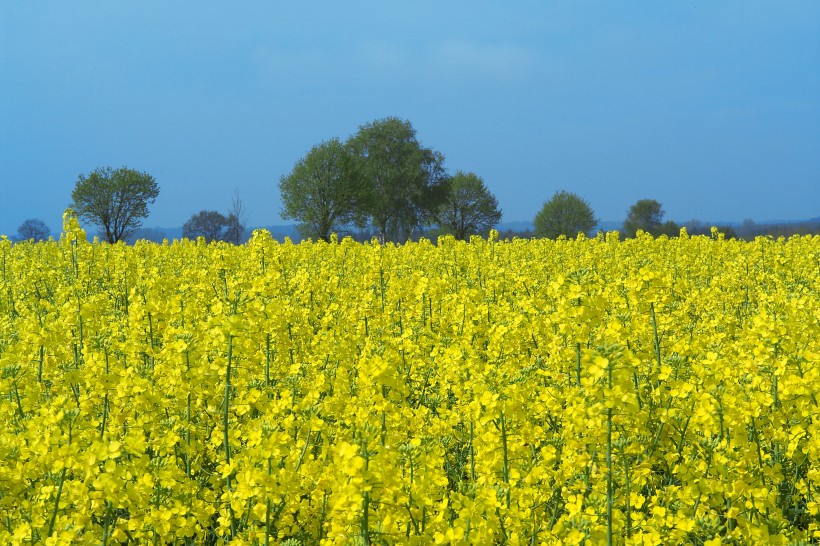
[565,214]
[669,228]
[696,227]
[236,220]
[322,192]
[645,215]
[155,235]
[748,229]
[210,224]
[116,200]
[33,229]
[405,182]
[728,232]
[468,207]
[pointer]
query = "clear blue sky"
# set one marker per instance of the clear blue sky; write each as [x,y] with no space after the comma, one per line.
[712,108]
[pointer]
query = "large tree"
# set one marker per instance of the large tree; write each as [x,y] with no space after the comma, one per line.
[210,224]
[645,215]
[565,214]
[115,200]
[405,182]
[33,228]
[468,207]
[322,192]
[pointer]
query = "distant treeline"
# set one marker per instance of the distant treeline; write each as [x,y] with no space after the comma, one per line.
[747,231]
[381,182]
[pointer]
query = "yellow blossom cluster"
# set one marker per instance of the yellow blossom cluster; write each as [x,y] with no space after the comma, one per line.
[646,391]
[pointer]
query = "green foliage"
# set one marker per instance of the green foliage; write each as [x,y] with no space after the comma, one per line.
[33,228]
[748,230]
[115,200]
[404,182]
[669,228]
[645,215]
[696,227]
[565,214]
[152,234]
[468,208]
[323,192]
[727,231]
[210,224]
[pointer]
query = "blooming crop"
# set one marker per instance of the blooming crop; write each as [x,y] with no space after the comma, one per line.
[646,391]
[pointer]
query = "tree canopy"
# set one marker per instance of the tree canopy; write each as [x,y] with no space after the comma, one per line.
[33,228]
[565,214]
[404,181]
[322,191]
[468,207]
[115,200]
[645,215]
[210,224]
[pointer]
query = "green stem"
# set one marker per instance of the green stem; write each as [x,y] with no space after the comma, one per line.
[366,519]
[188,436]
[759,454]
[472,453]
[267,511]
[56,503]
[225,438]
[107,523]
[655,336]
[609,493]
[578,363]
[505,469]
[660,431]
[382,286]
[365,523]
[267,360]
[628,492]
[40,366]
[188,420]
[105,401]
[20,413]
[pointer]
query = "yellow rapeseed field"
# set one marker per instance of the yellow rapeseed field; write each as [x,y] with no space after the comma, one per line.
[647,391]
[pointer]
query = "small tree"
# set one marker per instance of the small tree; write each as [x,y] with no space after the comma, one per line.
[670,228]
[565,214]
[33,228]
[322,192]
[116,200]
[210,224]
[748,229]
[728,232]
[468,208]
[237,221]
[646,215]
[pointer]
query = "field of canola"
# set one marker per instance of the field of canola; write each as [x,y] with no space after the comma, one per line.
[648,391]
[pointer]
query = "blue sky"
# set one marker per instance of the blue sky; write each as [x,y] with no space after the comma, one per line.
[712,108]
